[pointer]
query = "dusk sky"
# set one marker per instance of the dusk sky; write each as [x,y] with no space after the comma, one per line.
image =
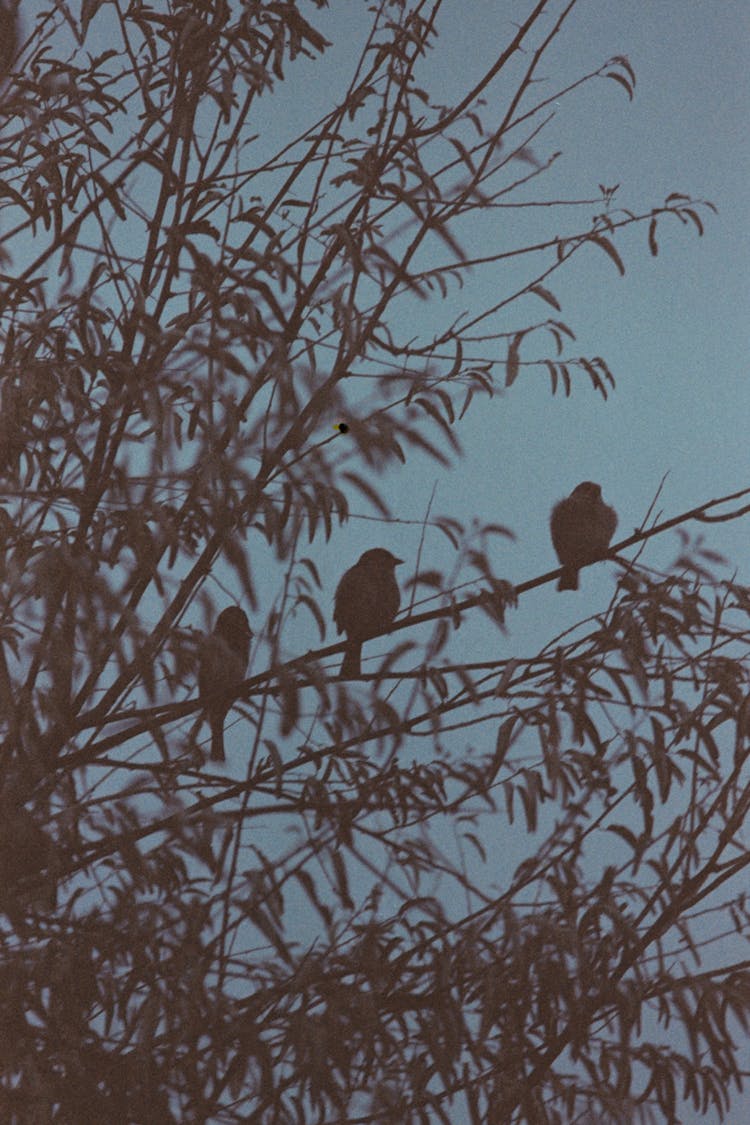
[673,330]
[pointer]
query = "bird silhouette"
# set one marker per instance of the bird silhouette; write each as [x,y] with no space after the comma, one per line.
[582,526]
[223,663]
[367,599]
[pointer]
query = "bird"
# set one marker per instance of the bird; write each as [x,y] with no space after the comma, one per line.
[367,599]
[223,663]
[29,858]
[582,526]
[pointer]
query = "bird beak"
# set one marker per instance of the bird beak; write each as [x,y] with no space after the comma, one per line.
[396,562]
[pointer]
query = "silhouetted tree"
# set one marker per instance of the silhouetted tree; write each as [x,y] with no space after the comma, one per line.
[197,287]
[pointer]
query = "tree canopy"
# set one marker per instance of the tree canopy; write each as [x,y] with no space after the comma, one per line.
[444,890]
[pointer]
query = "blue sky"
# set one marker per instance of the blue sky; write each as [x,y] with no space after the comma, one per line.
[673,330]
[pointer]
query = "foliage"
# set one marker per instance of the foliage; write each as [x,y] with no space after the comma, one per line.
[190,305]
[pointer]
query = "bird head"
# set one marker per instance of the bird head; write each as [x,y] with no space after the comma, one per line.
[587,490]
[233,622]
[378,557]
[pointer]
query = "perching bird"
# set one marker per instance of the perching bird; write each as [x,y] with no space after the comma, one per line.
[29,858]
[223,663]
[582,526]
[367,600]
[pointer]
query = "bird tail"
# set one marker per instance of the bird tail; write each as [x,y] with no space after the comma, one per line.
[568,579]
[350,665]
[217,739]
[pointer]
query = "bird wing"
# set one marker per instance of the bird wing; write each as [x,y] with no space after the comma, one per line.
[345,599]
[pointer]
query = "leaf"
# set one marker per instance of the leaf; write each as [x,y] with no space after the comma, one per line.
[458,361]
[275,762]
[512,362]
[558,329]
[434,413]
[312,605]
[201,226]
[474,839]
[696,219]
[498,529]
[622,81]
[289,704]
[594,376]
[363,485]
[652,243]
[546,295]
[508,790]
[658,753]
[450,528]
[342,878]
[623,64]
[502,684]
[628,836]
[502,745]
[608,249]
[464,154]
[528,795]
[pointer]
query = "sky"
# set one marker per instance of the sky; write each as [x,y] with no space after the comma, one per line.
[674,329]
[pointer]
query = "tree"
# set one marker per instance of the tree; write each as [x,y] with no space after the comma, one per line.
[209,351]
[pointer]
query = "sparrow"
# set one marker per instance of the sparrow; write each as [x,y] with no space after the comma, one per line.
[29,860]
[223,663]
[367,599]
[582,527]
